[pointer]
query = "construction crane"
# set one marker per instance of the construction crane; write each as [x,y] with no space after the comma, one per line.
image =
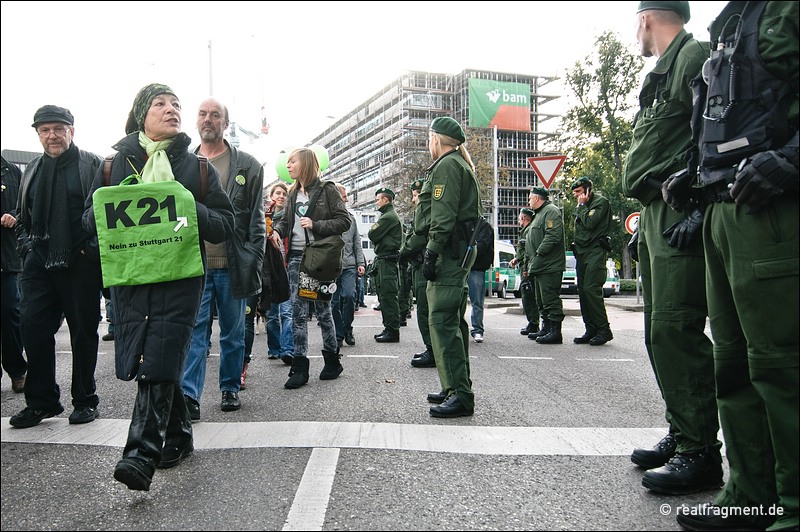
[234,138]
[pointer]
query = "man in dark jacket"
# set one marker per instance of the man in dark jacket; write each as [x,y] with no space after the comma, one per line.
[60,272]
[13,362]
[234,266]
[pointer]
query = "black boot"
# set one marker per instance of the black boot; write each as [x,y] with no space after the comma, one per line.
[178,443]
[602,337]
[145,436]
[541,332]
[587,336]
[553,335]
[424,359]
[546,326]
[529,328]
[333,368]
[298,375]
[658,455]
[686,473]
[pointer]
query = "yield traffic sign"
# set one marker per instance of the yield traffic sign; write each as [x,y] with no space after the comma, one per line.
[547,167]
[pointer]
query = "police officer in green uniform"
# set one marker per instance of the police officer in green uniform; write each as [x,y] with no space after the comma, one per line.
[386,236]
[450,198]
[405,296]
[591,247]
[688,458]
[546,261]
[529,305]
[413,249]
[746,122]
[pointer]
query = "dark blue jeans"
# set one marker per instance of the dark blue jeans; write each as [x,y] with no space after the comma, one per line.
[343,303]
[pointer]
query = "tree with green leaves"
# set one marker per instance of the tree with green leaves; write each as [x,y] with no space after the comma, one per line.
[596,132]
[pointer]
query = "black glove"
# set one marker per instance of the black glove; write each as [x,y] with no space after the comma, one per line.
[764,177]
[676,190]
[681,234]
[429,265]
[633,246]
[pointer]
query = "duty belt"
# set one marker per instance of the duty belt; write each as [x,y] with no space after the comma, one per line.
[394,256]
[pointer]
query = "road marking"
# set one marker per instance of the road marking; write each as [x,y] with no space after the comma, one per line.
[528,358]
[311,498]
[440,438]
[605,359]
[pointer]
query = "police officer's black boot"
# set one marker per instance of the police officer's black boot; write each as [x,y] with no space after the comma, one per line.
[687,472]
[553,335]
[658,455]
[529,328]
[424,359]
[541,332]
[143,448]
[587,336]
[333,368]
[298,375]
[602,337]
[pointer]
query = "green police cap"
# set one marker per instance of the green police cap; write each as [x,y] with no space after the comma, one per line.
[416,185]
[541,191]
[527,212]
[582,182]
[384,190]
[681,8]
[449,127]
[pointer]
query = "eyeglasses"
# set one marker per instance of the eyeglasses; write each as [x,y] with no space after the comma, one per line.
[59,131]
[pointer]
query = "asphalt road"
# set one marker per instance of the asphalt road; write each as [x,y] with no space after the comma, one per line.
[547,449]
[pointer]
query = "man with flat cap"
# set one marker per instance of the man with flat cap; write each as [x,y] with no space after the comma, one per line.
[526,289]
[546,260]
[386,236]
[60,272]
[591,247]
[670,252]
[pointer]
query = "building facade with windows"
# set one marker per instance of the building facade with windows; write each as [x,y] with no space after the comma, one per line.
[378,142]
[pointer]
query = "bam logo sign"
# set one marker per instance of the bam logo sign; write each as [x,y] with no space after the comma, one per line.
[495,96]
[502,104]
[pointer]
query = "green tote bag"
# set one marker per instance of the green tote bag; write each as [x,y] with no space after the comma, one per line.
[147,232]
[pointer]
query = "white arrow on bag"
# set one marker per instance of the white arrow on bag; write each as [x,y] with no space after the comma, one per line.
[182,222]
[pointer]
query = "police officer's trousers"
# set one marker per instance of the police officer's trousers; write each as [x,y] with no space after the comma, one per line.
[420,292]
[386,284]
[548,295]
[673,285]
[447,302]
[752,280]
[591,272]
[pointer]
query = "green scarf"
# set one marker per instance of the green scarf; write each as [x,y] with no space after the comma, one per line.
[157,167]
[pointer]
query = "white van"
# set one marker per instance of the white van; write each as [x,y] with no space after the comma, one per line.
[501,278]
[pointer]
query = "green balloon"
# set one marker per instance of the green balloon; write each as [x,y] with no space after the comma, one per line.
[280,167]
[322,156]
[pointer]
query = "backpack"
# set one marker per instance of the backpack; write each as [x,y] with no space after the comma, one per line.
[484,241]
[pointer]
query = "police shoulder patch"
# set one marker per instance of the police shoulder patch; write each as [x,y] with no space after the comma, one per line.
[374,226]
[591,212]
[550,224]
[438,192]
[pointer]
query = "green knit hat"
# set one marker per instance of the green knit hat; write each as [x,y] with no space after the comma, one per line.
[541,191]
[681,8]
[141,104]
[582,182]
[449,127]
[527,212]
[385,190]
[416,185]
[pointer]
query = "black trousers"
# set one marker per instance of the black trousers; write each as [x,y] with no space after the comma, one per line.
[46,296]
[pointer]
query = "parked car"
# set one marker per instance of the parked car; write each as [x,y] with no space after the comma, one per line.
[501,278]
[569,280]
